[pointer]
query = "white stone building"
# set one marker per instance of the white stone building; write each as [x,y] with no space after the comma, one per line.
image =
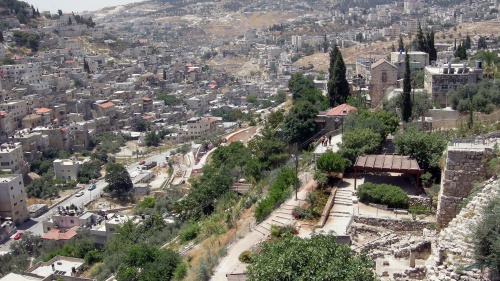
[13,198]
[66,169]
[12,159]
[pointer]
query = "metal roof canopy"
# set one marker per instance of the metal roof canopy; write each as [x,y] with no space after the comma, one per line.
[395,163]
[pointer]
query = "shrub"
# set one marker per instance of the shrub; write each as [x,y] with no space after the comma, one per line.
[427,179]
[300,213]
[246,257]
[278,192]
[180,271]
[189,232]
[418,210]
[386,194]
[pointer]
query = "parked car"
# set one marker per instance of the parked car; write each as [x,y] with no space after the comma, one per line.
[79,193]
[142,162]
[92,186]
[18,235]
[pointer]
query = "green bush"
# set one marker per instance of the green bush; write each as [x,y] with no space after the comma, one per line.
[180,271]
[245,257]
[189,232]
[386,194]
[427,179]
[278,192]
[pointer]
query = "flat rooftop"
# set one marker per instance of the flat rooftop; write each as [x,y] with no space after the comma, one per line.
[62,266]
[7,177]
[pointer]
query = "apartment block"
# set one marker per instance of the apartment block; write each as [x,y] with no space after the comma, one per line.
[13,198]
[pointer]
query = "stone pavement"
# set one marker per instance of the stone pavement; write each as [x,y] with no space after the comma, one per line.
[333,146]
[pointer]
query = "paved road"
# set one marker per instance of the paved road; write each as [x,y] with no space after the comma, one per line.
[35,225]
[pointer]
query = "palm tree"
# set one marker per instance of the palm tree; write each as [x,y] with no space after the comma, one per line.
[488,58]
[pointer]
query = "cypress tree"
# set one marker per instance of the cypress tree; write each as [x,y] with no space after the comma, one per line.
[401,46]
[421,44]
[338,87]
[430,46]
[406,106]
[325,45]
[1,37]
[333,55]
[164,75]
[467,42]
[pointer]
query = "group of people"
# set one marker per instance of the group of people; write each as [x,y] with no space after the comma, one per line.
[326,140]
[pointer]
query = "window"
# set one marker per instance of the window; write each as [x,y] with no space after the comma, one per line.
[15,204]
[11,188]
[384,76]
[72,221]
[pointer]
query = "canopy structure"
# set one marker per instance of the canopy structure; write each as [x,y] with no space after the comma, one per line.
[394,163]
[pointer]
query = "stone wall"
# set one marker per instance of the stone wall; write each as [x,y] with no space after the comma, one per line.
[393,224]
[419,201]
[463,168]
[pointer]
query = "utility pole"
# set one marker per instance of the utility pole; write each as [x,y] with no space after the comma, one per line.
[296,170]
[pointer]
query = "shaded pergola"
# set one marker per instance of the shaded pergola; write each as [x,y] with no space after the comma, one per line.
[390,163]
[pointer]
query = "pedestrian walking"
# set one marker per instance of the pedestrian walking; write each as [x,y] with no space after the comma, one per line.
[330,139]
[322,140]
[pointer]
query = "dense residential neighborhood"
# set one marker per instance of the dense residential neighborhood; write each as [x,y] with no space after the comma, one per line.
[250,140]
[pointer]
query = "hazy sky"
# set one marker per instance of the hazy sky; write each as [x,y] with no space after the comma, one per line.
[76,5]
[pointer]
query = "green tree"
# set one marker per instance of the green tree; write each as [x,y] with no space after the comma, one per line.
[338,87]
[118,178]
[317,258]
[468,42]
[431,48]
[164,75]
[152,138]
[461,52]
[330,162]
[358,141]
[425,147]
[59,12]
[1,36]
[90,170]
[421,42]
[140,126]
[481,43]
[320,178]
[406,105]
[268,148]
[299,124]
[401,44]
[326,44]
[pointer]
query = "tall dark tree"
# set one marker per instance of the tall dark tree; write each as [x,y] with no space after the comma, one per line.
[338,87]
[401,44]
[69,21]
[406,101]
[1,36]
[468,42]
[461,52]
[431,49]
[164,74]
[481,43]
[333,55]
[59,12]
[421,44]
[326,44]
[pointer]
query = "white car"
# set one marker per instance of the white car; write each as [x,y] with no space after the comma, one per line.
[79,193]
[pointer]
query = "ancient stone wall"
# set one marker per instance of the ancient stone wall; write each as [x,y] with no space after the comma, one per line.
[393,224]
[463,168]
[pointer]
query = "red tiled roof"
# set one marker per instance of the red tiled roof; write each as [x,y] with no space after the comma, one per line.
[147,117]
[106,104]
[43,110]
[146,99]
[56,234]
[341,110]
